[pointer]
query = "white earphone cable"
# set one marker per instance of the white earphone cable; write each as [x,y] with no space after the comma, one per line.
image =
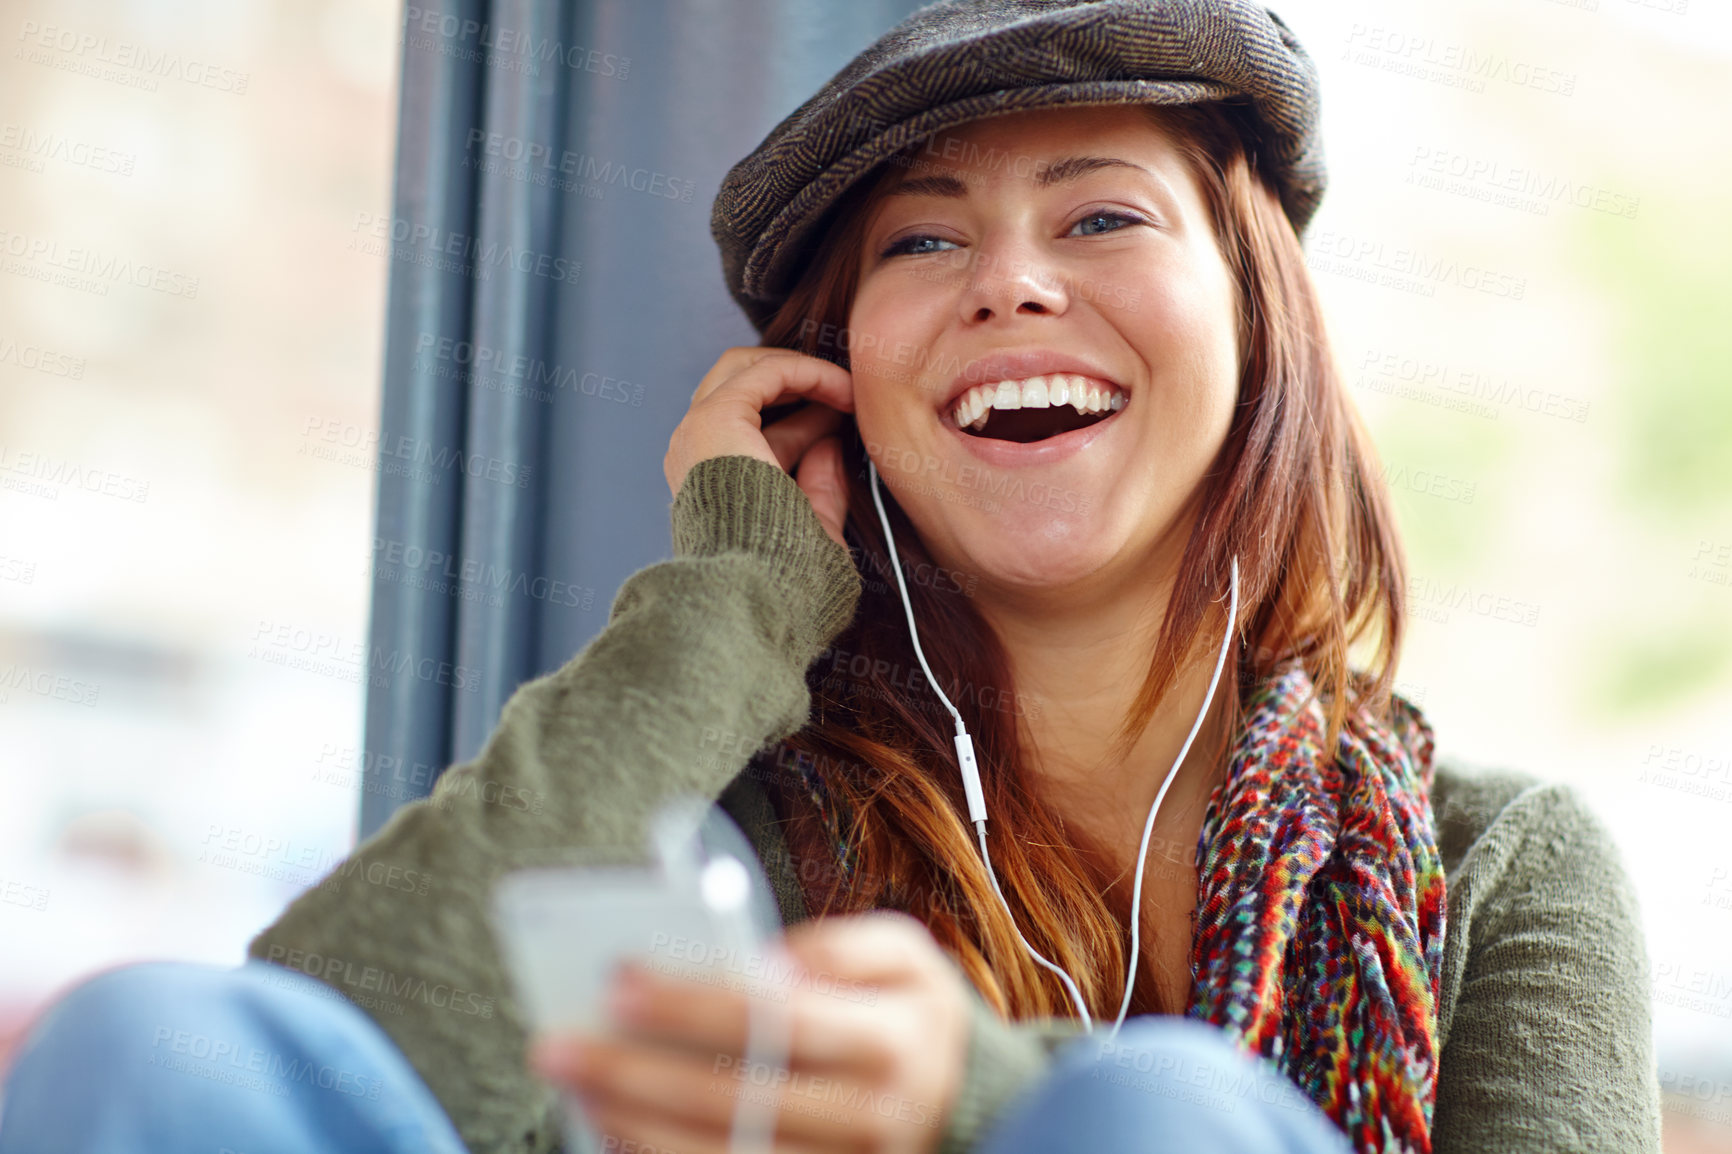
[1149,825]
[896,565]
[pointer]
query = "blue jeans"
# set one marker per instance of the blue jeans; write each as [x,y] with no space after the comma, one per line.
[1164,1084]
[171,1056]
[257,1059]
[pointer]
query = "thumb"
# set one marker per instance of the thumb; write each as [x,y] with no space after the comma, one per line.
[824,479]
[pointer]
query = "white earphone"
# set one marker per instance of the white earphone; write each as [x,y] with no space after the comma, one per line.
[977,798]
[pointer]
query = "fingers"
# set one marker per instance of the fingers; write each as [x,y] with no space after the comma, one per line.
[684,1085]
[833,1019]
[761,377]
[885,946]
[726,414]
[693,1014]
[731,362]
[825,1015]
[824,478]
[640,1085]
[796,1127]
[695,1094]
[792,436]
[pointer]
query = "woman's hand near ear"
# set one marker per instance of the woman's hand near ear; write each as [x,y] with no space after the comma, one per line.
[879,1030]
[726,418]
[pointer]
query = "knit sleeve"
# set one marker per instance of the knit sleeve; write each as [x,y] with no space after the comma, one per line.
[1004,1058]
[1549,1046]
[702,662]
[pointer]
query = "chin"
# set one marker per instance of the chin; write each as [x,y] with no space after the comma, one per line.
[1024,546]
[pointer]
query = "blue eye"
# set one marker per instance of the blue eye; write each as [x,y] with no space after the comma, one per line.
[1125,217]
[905,245]
[908,244]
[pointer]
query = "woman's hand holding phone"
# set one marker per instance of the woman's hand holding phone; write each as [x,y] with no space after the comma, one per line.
[877,1052]
[726,418]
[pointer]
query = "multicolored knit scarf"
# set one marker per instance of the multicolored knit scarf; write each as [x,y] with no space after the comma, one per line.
[1319,937]
[1320,919]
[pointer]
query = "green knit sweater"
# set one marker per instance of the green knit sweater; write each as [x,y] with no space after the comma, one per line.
[1544,1021]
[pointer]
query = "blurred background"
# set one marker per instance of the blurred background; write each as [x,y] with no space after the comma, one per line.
[1522,251]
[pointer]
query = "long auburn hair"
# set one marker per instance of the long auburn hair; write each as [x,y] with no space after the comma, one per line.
[1295,493]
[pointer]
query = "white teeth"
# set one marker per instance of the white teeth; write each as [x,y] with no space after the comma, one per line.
[1073,393]
[974,407]
[977,406]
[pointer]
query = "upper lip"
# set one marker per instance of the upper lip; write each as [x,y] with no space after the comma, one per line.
[1019,365]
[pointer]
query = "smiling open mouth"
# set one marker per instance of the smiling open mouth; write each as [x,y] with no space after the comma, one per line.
[1036,408]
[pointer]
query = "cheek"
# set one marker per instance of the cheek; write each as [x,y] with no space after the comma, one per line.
[889,360]
[1189,306]
[1187,331]
[881,413]
[875,417]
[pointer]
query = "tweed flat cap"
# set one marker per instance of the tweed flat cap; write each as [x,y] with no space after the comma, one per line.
[959,60]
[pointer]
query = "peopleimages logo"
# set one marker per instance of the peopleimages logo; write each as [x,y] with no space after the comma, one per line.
[87,53]
[1405,268]
[535,157]
[346,443]
[767,967]
[45,683]
[1533,188]
[37,147]
[407,240]
[328,654]
[499,46]
[440,572]
[41,360]
[89,269]
[478,362]
[402,987]
[225,1061]
[53,473]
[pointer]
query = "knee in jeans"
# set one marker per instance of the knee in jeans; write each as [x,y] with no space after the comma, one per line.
[144,999]
[129,991]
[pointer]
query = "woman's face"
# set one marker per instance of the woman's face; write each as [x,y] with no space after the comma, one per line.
[1071,241]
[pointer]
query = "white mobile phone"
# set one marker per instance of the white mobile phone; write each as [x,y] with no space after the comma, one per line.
[698,915]
[564,931]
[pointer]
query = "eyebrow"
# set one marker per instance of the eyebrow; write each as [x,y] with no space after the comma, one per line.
[1059,172]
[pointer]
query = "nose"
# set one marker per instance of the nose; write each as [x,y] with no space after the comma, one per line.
[1012,279]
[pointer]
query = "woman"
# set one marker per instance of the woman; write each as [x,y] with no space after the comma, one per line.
[1140,601]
